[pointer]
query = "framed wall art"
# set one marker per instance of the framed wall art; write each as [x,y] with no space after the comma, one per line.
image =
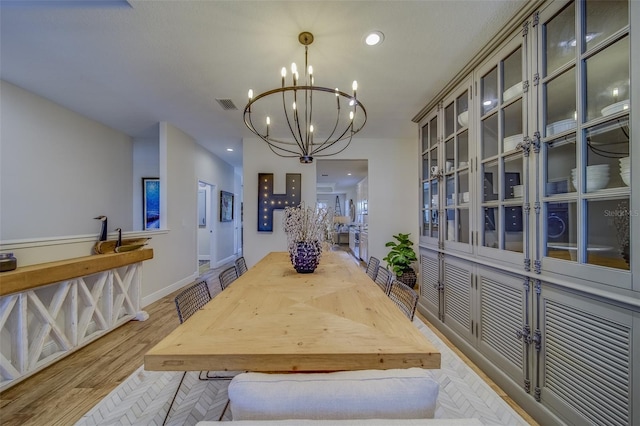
[151,203]
[226,206]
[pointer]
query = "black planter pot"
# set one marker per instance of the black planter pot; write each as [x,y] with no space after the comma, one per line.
[306,256]
[409,278]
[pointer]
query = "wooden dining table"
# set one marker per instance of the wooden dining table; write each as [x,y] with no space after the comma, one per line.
[273,319]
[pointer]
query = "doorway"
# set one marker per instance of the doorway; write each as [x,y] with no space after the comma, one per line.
[205,226]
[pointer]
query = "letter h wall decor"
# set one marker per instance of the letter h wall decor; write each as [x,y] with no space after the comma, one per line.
[268,201]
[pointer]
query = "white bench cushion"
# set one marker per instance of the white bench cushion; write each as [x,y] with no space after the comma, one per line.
[368,422]
[367,394]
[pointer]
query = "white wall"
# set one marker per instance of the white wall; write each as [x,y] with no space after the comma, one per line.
[59,170]
[393,200]
[146,163]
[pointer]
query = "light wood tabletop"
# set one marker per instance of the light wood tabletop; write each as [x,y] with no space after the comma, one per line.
[276,320]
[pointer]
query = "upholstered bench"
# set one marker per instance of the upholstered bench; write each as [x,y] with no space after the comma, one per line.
[366,394]
[352,422]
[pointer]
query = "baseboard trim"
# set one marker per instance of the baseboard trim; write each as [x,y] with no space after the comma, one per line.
[153,297]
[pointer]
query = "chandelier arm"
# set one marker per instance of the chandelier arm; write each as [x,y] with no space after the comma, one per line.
[286,115]
[337,152]
[296,119]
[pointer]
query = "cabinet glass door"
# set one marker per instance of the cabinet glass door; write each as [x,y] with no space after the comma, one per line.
[501,157]
[585,145]
[456,169]
[430,173]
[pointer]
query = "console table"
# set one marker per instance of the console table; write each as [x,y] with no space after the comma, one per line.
[49,310]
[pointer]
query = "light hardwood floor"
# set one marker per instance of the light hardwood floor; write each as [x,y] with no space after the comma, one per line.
[62,393]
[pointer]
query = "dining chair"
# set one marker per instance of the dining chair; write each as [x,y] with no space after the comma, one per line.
[228,276]
[372,267]
[405,297]
[383,279]
[188,302]
[241,265]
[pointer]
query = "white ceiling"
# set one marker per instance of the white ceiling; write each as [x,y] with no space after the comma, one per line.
[132,64]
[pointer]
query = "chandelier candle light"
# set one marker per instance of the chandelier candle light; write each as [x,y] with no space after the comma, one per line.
[311,130]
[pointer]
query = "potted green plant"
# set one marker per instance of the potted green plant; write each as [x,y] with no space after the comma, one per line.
[400,259]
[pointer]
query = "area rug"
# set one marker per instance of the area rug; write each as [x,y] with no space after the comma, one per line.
[145,396]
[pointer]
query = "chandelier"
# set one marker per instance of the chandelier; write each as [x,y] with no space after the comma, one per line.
[304,120]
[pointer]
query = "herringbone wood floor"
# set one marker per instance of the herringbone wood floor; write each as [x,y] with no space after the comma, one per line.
[62,393]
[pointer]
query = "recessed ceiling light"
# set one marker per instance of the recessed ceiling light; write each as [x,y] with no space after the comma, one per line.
[374,38]
[230,149]
[348,174]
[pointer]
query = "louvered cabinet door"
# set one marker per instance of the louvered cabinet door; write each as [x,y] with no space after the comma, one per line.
[458,294]
[430,281]
[587,359]
[504,323]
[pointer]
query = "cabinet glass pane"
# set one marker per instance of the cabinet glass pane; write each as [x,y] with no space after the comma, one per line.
[426,223]
[490,136]
[608,233]
[426,167]
[512,126]
[561,233]
[560,156]
[449,151]
[463,187]
[425,137]
[462,109]
[560,102]
[560,39]
[513,235]
[608,162]
[450,190]
[490,186]
[490,234]
[603,19]
[608,80]
[463,226]
[489,90]
[451,225]
[433,161]
[433,201]
[434,224]
[463,149]
[512,75]
[433,131]
[449,120]
[513,177]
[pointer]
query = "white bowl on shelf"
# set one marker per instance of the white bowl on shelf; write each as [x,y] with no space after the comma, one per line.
[561,126]
[463,118]
[616,107]
[626,176]
[597,177]
[510,143]
[512,92]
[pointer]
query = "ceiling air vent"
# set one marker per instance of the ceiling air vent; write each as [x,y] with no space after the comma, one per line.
[227,104]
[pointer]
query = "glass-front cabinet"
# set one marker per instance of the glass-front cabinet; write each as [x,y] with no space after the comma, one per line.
[584,106]
[528,211]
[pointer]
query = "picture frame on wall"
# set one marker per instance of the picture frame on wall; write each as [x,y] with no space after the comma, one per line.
[150,203]
[226,206]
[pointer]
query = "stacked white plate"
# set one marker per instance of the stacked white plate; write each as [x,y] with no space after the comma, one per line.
[511,142]
[512,92]
[561,126]
[518,190]
[597,177]
[625,170]
[617,107]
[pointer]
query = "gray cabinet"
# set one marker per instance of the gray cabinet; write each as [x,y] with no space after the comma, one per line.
[528,208]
